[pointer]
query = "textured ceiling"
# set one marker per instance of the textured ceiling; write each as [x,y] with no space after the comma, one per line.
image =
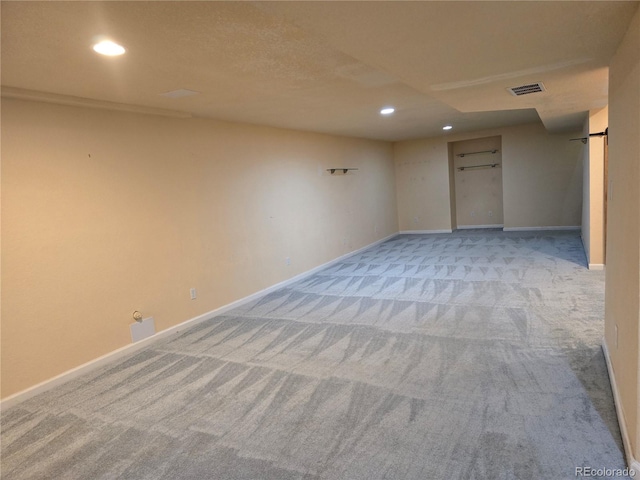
[322,66]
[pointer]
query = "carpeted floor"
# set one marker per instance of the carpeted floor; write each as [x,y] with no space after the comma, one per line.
[473,355]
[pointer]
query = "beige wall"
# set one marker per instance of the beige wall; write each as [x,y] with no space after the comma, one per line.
[104,213]
[622,301]
[478,191]
[422,183]
[541,175]
[593,187]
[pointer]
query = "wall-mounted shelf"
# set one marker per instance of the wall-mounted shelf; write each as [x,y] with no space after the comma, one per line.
[492,165]
[343,170]
[495,150]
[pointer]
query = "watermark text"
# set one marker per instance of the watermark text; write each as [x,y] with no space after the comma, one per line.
[605,472]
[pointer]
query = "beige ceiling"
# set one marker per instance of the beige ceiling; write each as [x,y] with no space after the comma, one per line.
[322,66]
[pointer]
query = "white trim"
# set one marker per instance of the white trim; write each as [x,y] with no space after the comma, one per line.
[592,266]
[420,232]
[471,227]
[524,229]
[121,352]
[631,461]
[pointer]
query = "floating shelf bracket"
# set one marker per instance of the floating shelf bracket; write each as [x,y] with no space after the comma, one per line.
[344,170]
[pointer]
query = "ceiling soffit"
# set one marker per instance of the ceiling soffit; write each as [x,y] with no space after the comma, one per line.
[324,66]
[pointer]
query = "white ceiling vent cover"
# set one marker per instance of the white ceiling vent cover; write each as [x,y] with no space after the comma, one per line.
[526,89]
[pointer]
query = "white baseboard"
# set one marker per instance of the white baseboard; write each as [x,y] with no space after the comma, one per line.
[471,227]
[420,232]
[592,266]
[524,229]
[76,372]
[632,463]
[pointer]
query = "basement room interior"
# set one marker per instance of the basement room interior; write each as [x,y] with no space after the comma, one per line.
[292,240]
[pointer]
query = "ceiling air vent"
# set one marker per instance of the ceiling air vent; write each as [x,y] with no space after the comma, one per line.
[526,89]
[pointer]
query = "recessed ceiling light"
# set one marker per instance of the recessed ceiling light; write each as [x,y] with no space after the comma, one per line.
[109,48]
[447,127]
[387,111]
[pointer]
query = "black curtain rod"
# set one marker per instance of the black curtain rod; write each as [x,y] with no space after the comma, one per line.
[599,134]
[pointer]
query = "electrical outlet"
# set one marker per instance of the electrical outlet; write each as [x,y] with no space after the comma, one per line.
[473,214]
[287,261]
[490,213]
[415,220]
[193,293]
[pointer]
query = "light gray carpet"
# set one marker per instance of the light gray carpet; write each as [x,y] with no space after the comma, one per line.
[474,355]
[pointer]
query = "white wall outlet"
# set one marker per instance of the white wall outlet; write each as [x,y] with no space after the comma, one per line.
[415,220]
[473,214]
[490,213]
[193,293]
[287,261]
